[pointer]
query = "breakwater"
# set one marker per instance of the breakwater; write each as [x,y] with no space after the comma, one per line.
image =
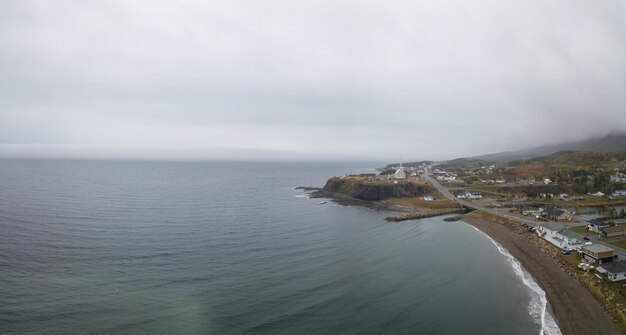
[426,213]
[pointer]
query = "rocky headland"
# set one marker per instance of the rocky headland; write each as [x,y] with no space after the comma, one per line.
[383,194]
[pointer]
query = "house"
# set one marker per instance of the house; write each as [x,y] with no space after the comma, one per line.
[614,271]
[557,214]
[597,253]
[614,231]
[536,213]
[619,194]
[429,198]
[470,195]
[547,181]
[447,178]
[597,194]
[557,234]
[617,179]
[596,225]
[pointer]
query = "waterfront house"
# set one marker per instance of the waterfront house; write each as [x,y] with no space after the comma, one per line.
[614,231]
[597,253]
[557,234]
[614,271]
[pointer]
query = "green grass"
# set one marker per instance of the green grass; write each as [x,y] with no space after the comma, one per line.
[588,202]
[419,202]
[621,244]
[580,230]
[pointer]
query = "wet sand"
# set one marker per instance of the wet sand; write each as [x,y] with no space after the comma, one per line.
[575,309]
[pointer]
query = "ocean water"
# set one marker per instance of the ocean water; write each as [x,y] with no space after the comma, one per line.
[97,247]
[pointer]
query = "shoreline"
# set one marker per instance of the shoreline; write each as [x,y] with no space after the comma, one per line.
[575,309]
[405,213]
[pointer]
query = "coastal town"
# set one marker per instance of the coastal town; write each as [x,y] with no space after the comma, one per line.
[591,226]
[577,209]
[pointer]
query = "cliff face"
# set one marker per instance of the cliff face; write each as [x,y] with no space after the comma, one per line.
[368,190]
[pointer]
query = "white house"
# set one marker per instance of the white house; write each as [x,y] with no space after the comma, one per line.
[429,198]
[614,271]
[547,181]
[596,226]
[557,235]
[447,178]
[617,179]
[619,194]
[470,195]
[597,194]
[536,213]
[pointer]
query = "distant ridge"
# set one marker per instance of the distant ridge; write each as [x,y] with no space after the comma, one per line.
[614,141]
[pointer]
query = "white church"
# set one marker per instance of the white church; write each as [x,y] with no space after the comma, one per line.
[400,172]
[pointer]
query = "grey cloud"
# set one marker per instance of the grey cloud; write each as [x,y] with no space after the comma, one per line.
[431,79]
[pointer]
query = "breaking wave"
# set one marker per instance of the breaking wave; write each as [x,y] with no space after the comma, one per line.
[538,306]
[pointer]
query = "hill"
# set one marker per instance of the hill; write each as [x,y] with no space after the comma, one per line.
[613,142]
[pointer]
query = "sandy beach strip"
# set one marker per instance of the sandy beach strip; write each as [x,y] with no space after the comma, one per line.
[575,308]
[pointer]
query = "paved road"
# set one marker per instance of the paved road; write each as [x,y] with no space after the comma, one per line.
[472,205]
[619,251]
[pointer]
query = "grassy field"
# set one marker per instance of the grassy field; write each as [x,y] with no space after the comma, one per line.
[589,202]
[580,230]
[621,244]
[419,202]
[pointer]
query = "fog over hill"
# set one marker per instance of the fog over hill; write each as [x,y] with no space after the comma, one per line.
[614,141]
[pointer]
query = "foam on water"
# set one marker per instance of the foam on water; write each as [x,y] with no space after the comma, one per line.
[538,306]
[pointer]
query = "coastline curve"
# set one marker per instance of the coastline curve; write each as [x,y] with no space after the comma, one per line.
[538,306]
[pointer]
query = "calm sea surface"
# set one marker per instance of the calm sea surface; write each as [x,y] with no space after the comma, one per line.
[89,247]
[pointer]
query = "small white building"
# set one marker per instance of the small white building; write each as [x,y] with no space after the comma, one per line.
[556,234]
[429,198]
[613,271]
[596,226]
[470,195]
[547,181]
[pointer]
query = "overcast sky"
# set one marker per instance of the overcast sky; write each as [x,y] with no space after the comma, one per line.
[326,79]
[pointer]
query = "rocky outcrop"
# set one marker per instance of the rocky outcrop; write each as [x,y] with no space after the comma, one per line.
[370,190]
